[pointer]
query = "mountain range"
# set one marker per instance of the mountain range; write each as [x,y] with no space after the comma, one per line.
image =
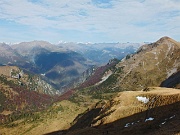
[62,64]
[101,53]
[138,94]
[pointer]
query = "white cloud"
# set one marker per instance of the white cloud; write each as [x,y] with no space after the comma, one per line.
[118,20]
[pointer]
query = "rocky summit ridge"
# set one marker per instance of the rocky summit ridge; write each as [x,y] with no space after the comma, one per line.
[150,65]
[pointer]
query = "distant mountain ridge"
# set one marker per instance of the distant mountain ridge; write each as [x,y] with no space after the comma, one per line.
[58,65]
[62,64]
[8,55]
[101,53]
[25,48]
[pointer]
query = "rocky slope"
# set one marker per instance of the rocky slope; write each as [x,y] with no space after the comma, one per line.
[21,93]
[30,81]
[152,64]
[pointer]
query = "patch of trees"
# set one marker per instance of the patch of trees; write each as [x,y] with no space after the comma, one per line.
[23,101]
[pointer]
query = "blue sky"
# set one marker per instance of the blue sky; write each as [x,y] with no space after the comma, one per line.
[89,20]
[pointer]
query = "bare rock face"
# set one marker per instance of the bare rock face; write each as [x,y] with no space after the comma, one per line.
[151,65]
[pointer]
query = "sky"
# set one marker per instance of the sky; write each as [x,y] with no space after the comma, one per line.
[89,20]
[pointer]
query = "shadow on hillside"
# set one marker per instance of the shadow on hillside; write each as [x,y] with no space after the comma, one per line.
[166,122]
[172,81]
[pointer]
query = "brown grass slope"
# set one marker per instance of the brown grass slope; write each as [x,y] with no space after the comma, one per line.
[126,115]
[151,65]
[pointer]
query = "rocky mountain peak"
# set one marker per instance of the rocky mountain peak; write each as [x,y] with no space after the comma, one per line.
[160,58]
[167,40]
[162,41]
